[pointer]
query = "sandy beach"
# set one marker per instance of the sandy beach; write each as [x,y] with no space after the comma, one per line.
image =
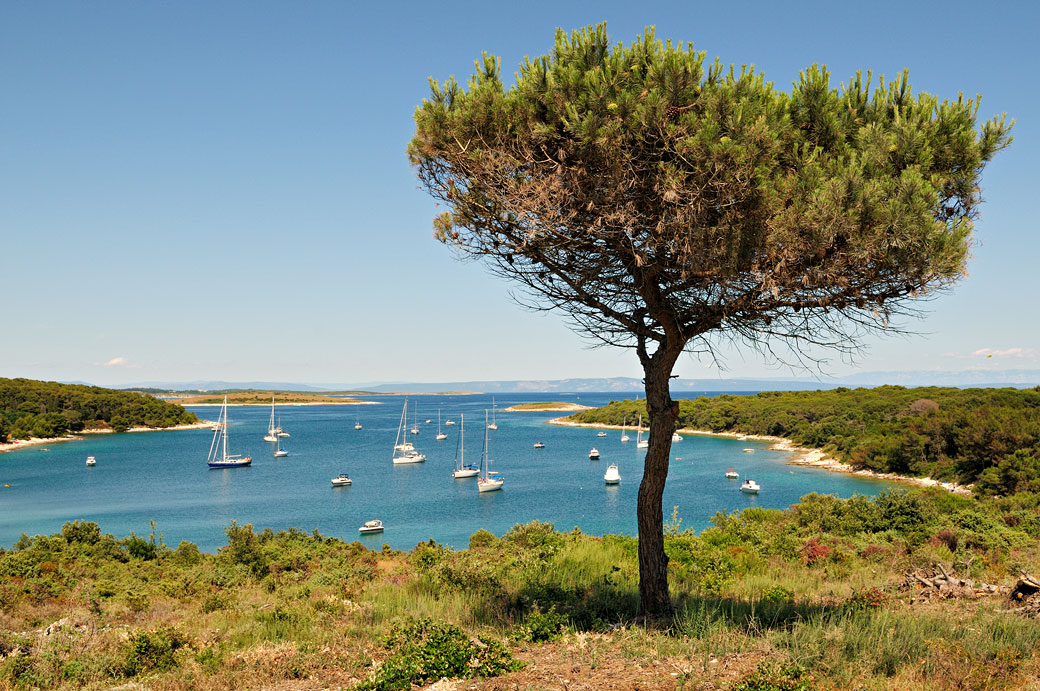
[797,455]
[36,441]
[555,408]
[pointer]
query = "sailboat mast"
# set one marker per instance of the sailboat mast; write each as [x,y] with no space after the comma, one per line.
[462,444]
[225,427]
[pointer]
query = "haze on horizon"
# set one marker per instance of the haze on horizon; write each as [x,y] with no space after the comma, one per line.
[220,192]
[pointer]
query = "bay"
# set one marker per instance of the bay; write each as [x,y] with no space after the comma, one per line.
[162,476]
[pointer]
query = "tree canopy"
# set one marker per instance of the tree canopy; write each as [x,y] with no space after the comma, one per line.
[662,202]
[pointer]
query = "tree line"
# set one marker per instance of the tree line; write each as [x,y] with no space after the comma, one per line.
[30,408]
[990,437]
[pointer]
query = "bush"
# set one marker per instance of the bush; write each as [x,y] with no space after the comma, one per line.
[424,650]
[777,593]
[544,626]
[777,678]
[81,532]
[153,651]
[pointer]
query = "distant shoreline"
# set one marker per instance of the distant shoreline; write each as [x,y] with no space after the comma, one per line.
[268,405]
[545,408]
[798,455]
[38,441]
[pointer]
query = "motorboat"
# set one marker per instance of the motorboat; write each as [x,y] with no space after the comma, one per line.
[676,436]
[463,469]
[732,474]
[612,477]
[749,451]
[594,454]
[601,434]
[91,461]
[342,481]
[539,445]
[449,423]
[749,487]
[371,527]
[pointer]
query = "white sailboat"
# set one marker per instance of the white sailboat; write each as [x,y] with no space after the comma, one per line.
[280,452]
[640,442]
[462,469]
[440,435]
[357,422]
[624,436]
[494,423]
[404,450]
[415,419]
[272,431]
[218,456]
[281,432]
[488,481]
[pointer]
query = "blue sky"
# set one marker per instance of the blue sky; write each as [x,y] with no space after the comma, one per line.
[204,190]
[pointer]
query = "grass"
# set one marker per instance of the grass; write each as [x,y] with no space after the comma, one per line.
[765,599]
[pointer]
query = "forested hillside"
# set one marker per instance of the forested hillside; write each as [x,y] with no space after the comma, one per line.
[988,436]
[30,408]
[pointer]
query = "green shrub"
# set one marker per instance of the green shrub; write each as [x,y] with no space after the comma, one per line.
[777,678]
[424,650]
[481,539]
[777,593]
[153,651]
[543,626]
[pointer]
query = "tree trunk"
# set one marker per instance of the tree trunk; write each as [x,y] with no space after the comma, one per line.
[654,600]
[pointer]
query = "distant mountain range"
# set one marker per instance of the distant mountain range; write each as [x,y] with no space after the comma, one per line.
[966,378]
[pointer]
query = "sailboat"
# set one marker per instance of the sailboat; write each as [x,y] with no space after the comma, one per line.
[415,419]
[280,452]
[218,456]
[487,481]
[404,450]
[462,469]
[494,423]
[440,434]
[640,442]
[281,432]
[357,422]
[624,436]
[272,431]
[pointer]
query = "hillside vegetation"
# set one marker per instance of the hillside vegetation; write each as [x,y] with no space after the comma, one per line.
[30,408]
[990,437]
[812,597]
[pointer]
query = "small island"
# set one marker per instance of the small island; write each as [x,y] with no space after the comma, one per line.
[263,398]
[546,407]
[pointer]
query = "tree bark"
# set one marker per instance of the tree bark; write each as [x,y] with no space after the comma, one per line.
[654,600]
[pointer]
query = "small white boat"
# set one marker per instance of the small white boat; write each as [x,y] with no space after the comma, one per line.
[732,474]
[494,423]
[282,433]
[640,442]
[601,434]
[741,438]
[449,423]
[91,461]
[342,481]
[539,445]
[280,452]
[273,431]
[404,451]
[612,477]
[594,454]
[357,425]
[371,527]
[463,469]
[749,451]
[749,487]
[676,436]
[271,437]
[488,481]
[218,456]
[429,421]
[440,435]
[624,436]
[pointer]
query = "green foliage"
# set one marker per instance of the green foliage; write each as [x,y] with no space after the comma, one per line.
[543,626]
[987,435]
[49,409]
[153,650]
[425,650]
[771,677]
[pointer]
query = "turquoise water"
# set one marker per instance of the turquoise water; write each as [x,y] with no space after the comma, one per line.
[162,476]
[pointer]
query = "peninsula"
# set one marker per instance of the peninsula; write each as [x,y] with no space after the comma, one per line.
[547,407]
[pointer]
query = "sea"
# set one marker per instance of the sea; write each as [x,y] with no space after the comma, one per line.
[162,477]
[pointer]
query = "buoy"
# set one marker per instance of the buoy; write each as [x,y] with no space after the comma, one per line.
[7,485]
